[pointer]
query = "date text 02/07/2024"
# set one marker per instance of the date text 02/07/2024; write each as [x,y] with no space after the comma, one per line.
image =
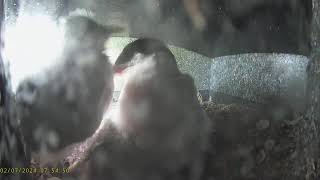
[32,170]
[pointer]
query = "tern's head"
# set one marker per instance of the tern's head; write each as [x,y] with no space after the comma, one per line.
[145,47]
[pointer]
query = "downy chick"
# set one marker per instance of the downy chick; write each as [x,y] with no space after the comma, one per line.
[68,100]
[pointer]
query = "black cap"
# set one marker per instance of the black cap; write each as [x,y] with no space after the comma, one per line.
[144,46]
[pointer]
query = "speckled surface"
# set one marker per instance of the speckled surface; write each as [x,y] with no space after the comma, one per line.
[255,77]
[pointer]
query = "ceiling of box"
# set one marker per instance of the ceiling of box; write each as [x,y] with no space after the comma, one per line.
[210,27]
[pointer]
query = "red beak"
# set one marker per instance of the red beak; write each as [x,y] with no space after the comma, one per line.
[118,69]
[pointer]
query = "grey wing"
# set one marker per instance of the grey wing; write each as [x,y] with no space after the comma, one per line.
[198,167]
[202,128]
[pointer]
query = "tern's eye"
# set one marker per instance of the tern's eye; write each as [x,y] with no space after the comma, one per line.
[133,62]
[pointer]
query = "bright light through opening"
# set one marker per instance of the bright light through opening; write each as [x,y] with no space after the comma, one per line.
[113,51]
[31,46]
